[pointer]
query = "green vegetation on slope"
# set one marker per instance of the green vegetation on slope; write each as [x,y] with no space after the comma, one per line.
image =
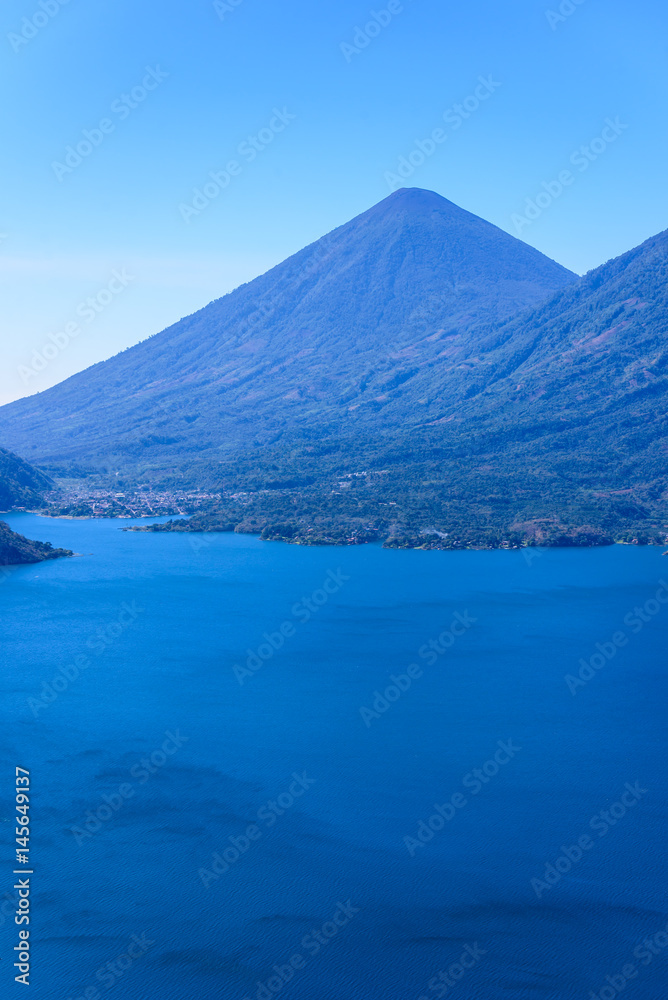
[558,429]
[20,484]
[344,332]
[16,550]
[385,383]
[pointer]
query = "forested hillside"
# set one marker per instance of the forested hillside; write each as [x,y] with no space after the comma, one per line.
[417,376]
[16,550]
[20,484]
[555,431]
[343,332]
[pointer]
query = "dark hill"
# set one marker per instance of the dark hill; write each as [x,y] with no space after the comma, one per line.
[20,484]
[325,341]
[16,550]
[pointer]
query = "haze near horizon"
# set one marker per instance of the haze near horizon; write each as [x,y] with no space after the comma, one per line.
[521,96]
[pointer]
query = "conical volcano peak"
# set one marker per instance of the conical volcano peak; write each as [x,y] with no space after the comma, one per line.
[377,295]
[424,244]
[417,199]
[450,239]
[416,203]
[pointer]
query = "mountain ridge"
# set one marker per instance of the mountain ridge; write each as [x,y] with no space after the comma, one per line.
[399,379]
[335,326]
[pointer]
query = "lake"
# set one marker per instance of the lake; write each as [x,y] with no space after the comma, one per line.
[262,770]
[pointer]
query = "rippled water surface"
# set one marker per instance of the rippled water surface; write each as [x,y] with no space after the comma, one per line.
[237,790]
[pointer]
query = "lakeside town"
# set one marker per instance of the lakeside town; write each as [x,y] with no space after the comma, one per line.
[81,501]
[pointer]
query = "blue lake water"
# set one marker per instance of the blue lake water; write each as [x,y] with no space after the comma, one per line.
[105,654]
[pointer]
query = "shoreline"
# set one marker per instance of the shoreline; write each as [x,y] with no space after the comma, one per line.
[566,538]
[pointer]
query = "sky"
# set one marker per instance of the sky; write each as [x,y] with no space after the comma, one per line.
[552,119]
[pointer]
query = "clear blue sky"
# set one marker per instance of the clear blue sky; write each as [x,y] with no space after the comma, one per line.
[356,114]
